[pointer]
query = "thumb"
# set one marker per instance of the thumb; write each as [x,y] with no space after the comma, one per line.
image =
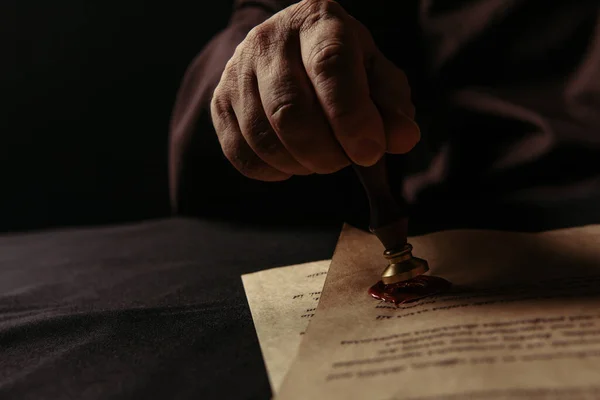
[390,91]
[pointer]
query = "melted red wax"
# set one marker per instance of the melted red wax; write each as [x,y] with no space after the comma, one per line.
[411,290]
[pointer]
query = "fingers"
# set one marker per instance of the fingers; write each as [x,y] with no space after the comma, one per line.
[294,112]
[333,60]
[258,132]
[235,148]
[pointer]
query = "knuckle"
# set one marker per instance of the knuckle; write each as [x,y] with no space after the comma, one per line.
[220,109]
[230,147]
[231,69]
[343,111]
[281,109]
[266,142]
[226,83]
[261,135]
[284,108]
[260,40]
[238,75]
[218,103]
[237,71]
[308,13]
[328,59]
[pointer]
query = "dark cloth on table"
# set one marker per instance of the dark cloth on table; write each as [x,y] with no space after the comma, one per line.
[507,96]
[149,311]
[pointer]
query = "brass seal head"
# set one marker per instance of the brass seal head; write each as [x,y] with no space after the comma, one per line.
[402,265]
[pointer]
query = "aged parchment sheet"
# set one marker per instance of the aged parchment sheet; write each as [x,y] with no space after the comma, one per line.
[282,302]
[523,321]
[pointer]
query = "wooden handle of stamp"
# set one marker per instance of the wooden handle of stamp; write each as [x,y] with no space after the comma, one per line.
[388,219]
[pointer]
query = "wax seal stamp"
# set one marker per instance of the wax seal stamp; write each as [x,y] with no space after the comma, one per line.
[402,265]
[389,222]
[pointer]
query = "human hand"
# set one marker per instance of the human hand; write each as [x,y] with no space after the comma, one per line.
[308,91]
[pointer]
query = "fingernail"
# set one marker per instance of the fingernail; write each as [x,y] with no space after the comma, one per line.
[366,152]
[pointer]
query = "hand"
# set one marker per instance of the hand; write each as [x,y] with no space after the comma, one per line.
[307,91]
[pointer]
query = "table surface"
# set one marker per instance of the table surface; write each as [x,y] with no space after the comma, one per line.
[151,310]
[148,310]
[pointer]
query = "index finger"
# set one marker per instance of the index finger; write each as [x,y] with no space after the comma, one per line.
[334,63]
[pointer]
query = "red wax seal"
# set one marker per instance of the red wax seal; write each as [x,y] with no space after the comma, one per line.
[410,290]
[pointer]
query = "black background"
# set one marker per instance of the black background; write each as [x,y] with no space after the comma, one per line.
[87,89]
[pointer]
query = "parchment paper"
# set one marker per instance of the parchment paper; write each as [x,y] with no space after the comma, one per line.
[523,321]
[282,302]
